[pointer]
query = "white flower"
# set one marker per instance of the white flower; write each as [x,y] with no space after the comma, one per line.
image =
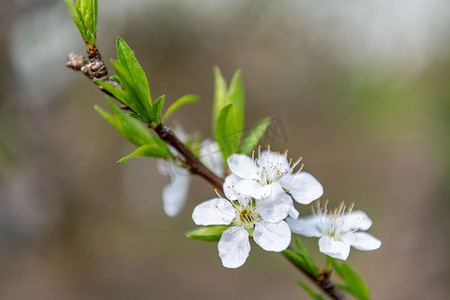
[257,177]
[338,230]
[261,218]
[174,194]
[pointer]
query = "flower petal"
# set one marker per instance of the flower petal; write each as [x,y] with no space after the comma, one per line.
[276,207]
[272,236]
[308,226]
[303,187]
[216,211]
[333,248]
[362,241]
[175,193]
[211,156]
[357,220]
[293,212]
[229,186]
[271,159]
[242,166]
[254,189]
[234,247]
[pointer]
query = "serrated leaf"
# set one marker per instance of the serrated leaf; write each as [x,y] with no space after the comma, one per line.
[310,291]
[354,282]
[211,233]
[77,18]
[157,107]
[226,135]
[140,85]
[129,128]
[154,151]
[179,103]
[133,99]
[254,136]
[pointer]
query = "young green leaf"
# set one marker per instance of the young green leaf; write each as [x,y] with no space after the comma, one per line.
[302,258]
[211,233]
[77,18]
[354,282]
[310,291]
[139,81]
[88,11]
[152,150]
[118,93]
[157,107]
[132,99]
[129,128]
[179,103]
[220,91]
[226,135]
[254,136]
[235,95]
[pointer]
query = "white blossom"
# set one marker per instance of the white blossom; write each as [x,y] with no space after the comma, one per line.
[262,219]
[258,176]
[337,230]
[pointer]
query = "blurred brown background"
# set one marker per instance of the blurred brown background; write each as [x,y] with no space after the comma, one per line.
[361,89]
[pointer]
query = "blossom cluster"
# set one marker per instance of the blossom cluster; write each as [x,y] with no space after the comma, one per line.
[259,204]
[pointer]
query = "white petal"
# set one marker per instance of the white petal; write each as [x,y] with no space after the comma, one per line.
[308,226]
[333,248]
[254,189]
[175,193]
[303,187]
[362,241]
[216,211]
[211,156]
[229,186]
[357,220]
[276,207]
[293,212]
[234,247]
[269,158]
[272,236]
[242,166]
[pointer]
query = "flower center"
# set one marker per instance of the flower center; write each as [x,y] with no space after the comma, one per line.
[274,166]
[247,217]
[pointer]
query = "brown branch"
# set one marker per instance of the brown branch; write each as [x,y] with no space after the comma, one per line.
[95,69]
[323,281]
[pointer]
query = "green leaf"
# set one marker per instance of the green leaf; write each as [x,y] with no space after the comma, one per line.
[129,128]
[147,150]
[179,103]
[220,91]
[132,98]
[88,11]
[139,81]
[235,95]
[354,282]
[118,93]
[310,291]
[77,18]
[254,136]
[226,135]
[157,107]
[211,233]
[302,258]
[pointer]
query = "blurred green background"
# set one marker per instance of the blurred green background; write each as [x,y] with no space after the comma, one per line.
[360,88]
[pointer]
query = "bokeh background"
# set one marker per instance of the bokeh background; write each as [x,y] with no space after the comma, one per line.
[361,89]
